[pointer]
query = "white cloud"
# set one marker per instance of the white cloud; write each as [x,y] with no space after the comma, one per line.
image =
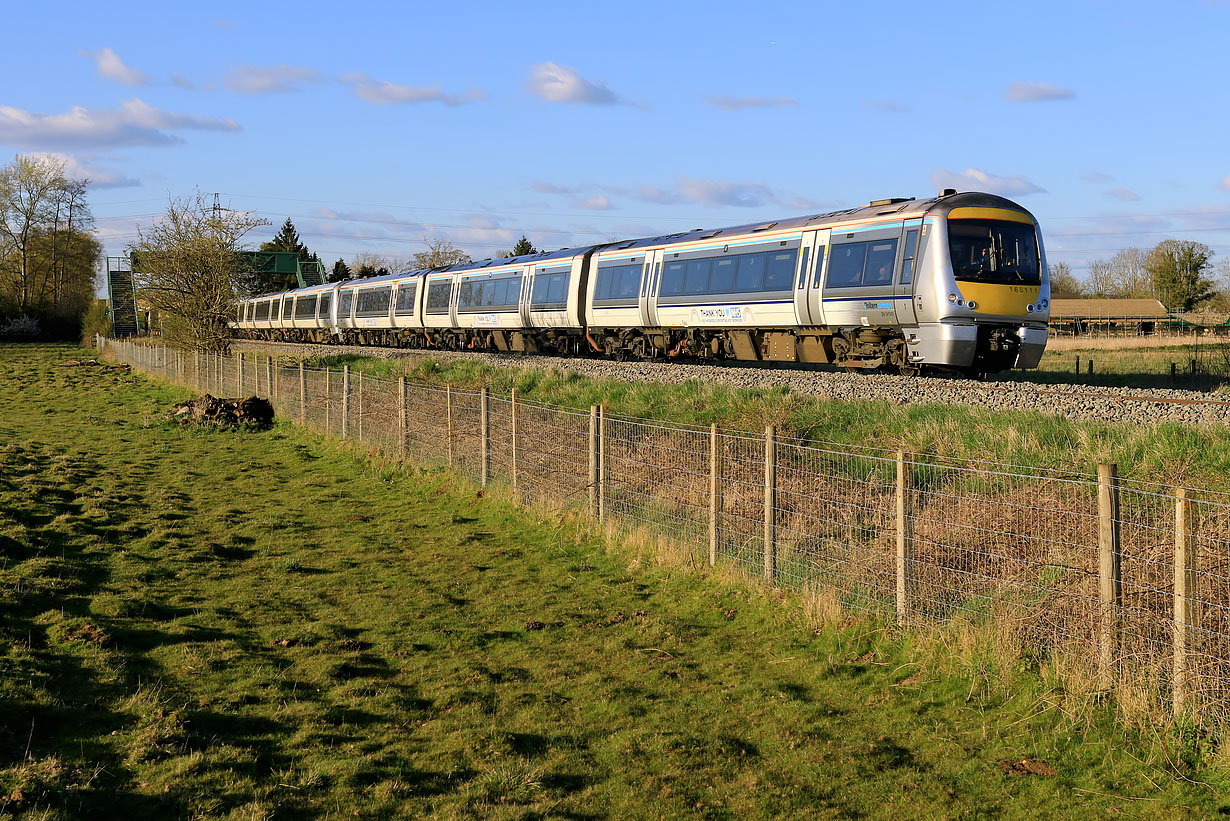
[85,168]
[727,103]
[134,123]
[596,202]
[385,93]
[972,179]
[1096,177]
[183,82]
[561,84]
[737,194]
[1123,194]
[1224,185]
[112,67]
[270,79]
[1037,92]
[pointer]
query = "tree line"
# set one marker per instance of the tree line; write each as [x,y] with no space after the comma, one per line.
[1178,273]
[48,254]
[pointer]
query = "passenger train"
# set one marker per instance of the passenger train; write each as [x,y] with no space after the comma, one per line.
[954,283]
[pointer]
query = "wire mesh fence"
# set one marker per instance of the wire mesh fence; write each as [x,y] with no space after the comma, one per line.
[1131,577]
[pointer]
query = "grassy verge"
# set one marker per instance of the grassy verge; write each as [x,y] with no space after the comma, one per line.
[225,624]
[1164,453]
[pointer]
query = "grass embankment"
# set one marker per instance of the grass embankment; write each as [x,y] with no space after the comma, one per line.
[1164,453]
[256,625]
[1127,363]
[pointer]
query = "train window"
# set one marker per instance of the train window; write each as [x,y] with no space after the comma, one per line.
[557,290]
[438,294]
[779,274]
[465,295]
[803,270]
[881,259]
[907,264]
[305,307]
[696,277]
[750,276]
[326,300]
[288,307]
[345,304]
[994,251]
[846,265]
[405,297]
[550,291]
[628,283]
[815,283]
[672,279]
[262,310]
[373,301]
[275,310]
[722,275]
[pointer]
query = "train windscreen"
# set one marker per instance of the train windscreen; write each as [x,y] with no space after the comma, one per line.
[994,251]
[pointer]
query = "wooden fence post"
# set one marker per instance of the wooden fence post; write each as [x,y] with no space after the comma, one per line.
[239,363]
[328,398]
[484,423]
[1186,616]
[359,391]
[593,461]
[602,414]
[345,400]
[512,409]
[1110,569]
[273,382]
[256,374]
[713,494]
[905,539]
[402,426]
[770,504]
[302,395]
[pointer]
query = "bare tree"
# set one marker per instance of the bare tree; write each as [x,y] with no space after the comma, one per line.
[188,266]
[440,253]
[1063,284]
[48,256]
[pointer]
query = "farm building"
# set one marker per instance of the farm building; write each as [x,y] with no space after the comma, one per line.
[1107,317]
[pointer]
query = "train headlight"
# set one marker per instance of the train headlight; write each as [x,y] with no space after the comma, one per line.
[1044,304]
[972,304]
[1029,309]
[953,298]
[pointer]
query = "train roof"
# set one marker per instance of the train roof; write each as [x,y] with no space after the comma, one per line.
[898,207]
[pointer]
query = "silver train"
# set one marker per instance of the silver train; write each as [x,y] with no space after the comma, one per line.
[954,283]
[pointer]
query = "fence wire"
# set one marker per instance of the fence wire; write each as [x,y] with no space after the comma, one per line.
[1132,576]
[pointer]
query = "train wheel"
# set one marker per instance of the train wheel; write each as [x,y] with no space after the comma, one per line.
[909,370]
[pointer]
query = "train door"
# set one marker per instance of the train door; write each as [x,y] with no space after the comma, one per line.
[802,279]
[523,302]
[815,304]
[650,275]
[903,290]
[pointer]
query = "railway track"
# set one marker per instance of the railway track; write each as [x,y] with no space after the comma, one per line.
[1085,402]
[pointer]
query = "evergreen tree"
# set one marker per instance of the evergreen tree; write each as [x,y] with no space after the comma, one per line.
[341,271]
[288,240]
[523,247]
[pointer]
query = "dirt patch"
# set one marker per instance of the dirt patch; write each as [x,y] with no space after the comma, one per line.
[1027,766]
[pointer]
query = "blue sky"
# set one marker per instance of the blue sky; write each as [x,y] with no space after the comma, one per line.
[376,125]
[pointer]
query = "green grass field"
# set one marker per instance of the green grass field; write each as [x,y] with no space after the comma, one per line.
[263,625]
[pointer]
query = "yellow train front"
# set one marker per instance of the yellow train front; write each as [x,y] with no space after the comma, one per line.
[982,300]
